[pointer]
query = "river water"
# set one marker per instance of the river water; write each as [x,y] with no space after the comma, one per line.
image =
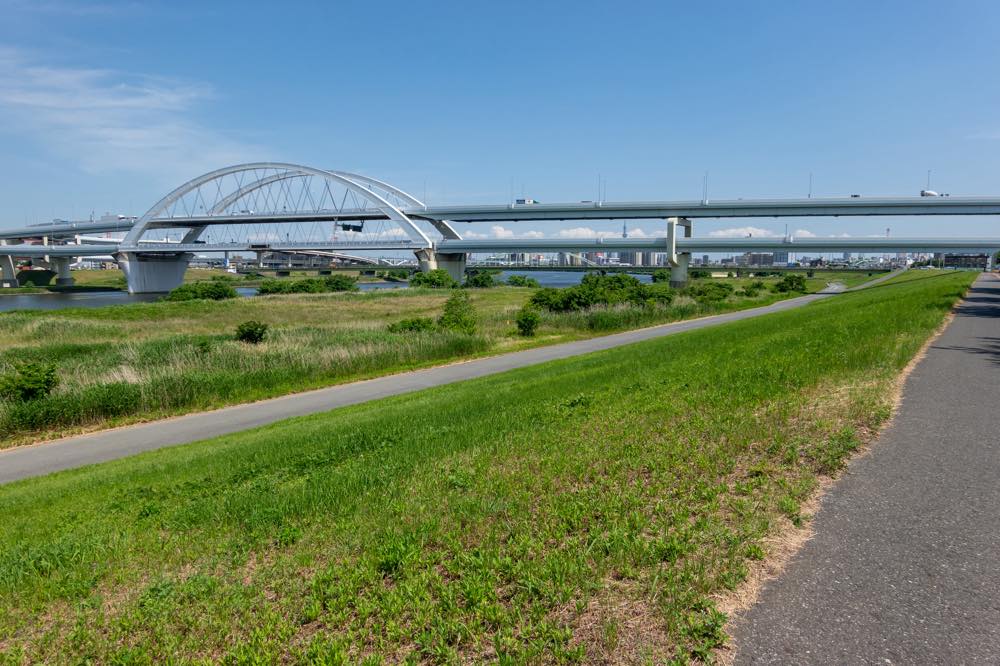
[97,299]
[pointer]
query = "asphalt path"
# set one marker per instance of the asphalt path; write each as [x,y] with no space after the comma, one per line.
[904,567]
[44,458]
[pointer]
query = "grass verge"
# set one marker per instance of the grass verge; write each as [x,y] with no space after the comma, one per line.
[584,509]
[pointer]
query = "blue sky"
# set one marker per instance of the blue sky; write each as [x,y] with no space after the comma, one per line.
[107,106]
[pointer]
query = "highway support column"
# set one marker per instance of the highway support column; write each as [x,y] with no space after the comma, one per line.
[8,272]
[63,277]
[153,273]
[679,261]
[454,263]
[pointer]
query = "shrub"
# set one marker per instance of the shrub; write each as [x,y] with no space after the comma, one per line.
[527,320]
[308,285]
[413,325]
[753,289]
[435,279]
[396,274]
[341,283]
[480,280]
[458,314]
[709,292]
[812,273]
[252,332]
[790,283]
[29,381]
[523,281]
[699,274]
[661,275]
[215,290]
[601,289]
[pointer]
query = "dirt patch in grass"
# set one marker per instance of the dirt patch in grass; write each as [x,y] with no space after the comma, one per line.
[619,627]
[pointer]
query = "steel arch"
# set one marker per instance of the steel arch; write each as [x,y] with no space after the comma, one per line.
[131,240]
[442,226]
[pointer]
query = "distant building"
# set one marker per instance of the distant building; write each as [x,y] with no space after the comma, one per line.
[780,258]
[757,259]
[977,261]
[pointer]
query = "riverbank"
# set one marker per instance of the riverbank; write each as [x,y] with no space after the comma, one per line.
[124,364]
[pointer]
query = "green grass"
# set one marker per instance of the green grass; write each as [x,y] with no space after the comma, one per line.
[135,362]
[575,510]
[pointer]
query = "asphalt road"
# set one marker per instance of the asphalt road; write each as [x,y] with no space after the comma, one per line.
[904,567]
[44,458]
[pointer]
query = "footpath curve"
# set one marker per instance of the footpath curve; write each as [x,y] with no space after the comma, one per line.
[47,457]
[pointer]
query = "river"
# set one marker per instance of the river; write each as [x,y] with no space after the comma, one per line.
[97,299]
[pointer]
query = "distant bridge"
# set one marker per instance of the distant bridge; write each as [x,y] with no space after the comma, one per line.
[279,207]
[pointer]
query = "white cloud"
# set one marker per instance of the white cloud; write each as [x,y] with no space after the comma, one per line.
[743,232]
[107,121]
[586,232]
[804,233]
[497,231]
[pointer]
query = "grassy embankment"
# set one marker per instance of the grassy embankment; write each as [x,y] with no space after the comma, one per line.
[581,509]
[127,363]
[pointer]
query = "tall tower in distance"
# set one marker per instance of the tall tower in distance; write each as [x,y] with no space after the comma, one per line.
[624,229]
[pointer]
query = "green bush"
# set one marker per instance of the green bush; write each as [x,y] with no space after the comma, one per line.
[435,279]
[661,275]
[709,292]
[215,290]
[413,325]
[308,285]
[601,289]
[527,320]
[481,279]
[396,274]
[251,332]
[341,283]
[753,289]
[29,381]
[523,281]
[699,274]
[458,314]
[812,273]
[791,282]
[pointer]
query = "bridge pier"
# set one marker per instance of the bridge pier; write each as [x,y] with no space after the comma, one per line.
[451,262]
[63,276]
[8,273]
[679,261]
[679,271]
[153,273]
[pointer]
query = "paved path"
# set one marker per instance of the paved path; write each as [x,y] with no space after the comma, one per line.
[905,564]
[27,461]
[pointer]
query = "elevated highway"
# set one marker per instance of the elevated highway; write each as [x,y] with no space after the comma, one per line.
[279,207]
